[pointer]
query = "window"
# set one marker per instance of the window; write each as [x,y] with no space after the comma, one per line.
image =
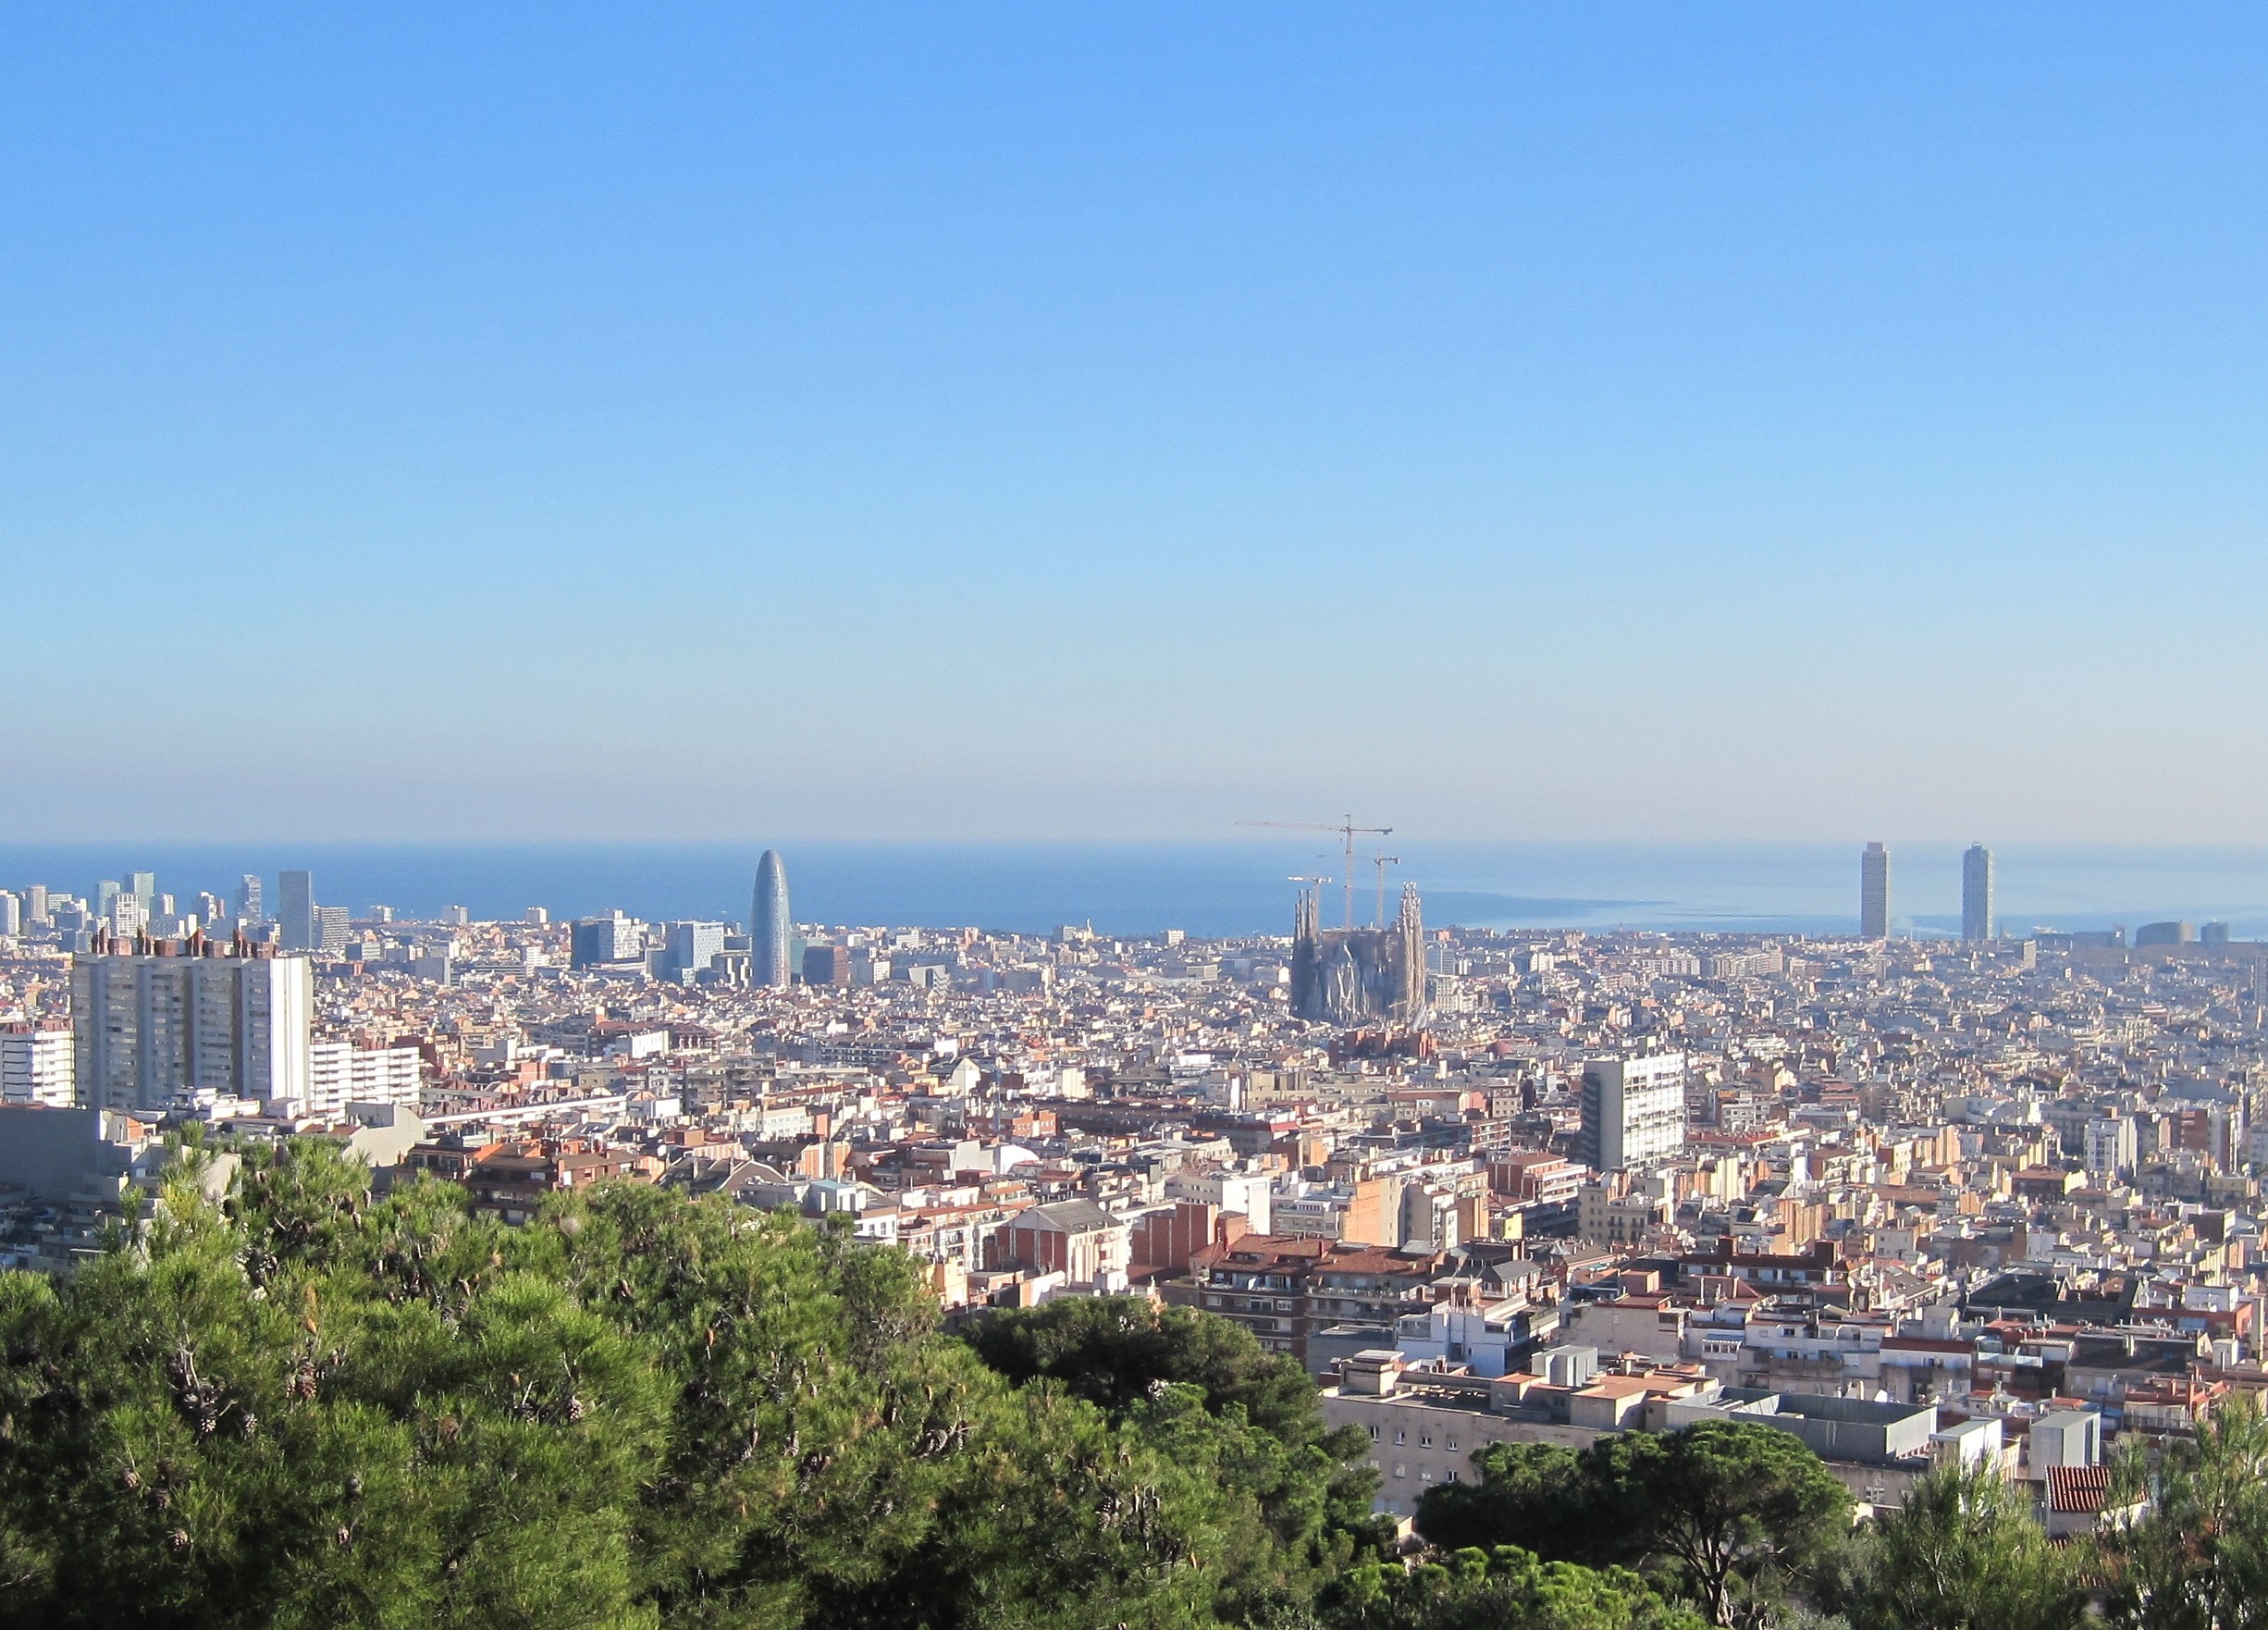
[1425,1474]
[1453,1476]
[1449,1443]
[1400,1470]
[1426,1439]
[1373,1433]
[1213,1301]
[1401,1435]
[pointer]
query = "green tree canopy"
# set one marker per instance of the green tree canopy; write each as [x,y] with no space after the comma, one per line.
[1729,1512]
[1537,1496]
[1504,1588]
[2197,1559]
[1965,1553]
[1203,1390]
[304,1409]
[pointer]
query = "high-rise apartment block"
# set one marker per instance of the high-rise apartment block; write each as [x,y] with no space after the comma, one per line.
[1874,892]
[771,928]
[36,1065]
[163,1021]
[248,898]
[11,914]
[295,910]
[1977,892]
[332,929]
[1633,1110]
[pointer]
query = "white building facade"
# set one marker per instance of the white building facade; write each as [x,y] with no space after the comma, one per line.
[36,1065]
[340,1074]
[1633,1110]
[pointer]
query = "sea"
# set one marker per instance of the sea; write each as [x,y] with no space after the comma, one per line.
[1211,890]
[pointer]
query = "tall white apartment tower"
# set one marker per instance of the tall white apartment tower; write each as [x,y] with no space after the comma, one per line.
[1874,892]
[1633,1110]
[163,1021]
[1977,892]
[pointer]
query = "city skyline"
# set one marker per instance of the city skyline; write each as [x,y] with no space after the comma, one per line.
[1171,360]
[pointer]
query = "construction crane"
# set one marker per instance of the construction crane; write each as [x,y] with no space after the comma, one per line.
[1382,862]
[1346,828]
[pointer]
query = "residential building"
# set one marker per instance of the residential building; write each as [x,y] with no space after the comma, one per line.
[36,1063]
[1633,1110]
[340,1074]
[164,1023]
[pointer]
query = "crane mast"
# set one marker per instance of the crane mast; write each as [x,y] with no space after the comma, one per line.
[1346,828]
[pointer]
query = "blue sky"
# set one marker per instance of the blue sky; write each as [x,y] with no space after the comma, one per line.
[1507,421]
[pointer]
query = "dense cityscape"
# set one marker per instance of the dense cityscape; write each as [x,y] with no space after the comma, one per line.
[1987,1198]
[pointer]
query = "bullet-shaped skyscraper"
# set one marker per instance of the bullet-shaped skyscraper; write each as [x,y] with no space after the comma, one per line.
[1873,893]
[1977,892]
[770,929]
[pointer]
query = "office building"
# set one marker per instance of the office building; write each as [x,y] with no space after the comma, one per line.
[35,904]
[248,897]
[2166,933]
[163,1023]
[11,914]
[1977,893]
[142,885]
[771,928]
[613,941]
[332,932]
[1873,893]
[127,915]
[295,910]
[456,917]
[36,1065]
[827,964]
[691,952]
[538,917]
[1633,1110]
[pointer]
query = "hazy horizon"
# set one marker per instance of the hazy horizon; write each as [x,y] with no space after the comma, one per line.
[890,422]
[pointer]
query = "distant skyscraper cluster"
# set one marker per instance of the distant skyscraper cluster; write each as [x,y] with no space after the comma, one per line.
[1977,919]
